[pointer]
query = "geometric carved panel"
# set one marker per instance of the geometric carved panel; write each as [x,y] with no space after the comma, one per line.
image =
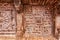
[38,21]
[7,22]
[7,19]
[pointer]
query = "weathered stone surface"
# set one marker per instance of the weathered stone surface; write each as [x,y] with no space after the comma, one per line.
[38,22]
[7,19]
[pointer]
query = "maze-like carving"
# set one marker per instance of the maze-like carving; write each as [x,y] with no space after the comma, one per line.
[7,21]
[38,22]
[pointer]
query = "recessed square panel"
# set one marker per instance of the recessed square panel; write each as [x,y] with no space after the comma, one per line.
[7,22]
[38,22]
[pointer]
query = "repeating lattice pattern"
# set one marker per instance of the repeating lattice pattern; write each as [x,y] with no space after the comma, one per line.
[7,20]
[38,21]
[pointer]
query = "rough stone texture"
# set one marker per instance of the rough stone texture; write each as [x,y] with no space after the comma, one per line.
[7,19]
[7,22]
[38,21]
[39,38]
[19,25]
[7,38]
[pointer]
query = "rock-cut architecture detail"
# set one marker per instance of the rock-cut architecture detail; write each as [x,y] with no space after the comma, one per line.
[7,19]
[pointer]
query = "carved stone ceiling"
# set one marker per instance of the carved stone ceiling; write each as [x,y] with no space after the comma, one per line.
[34,2]
[39,2]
